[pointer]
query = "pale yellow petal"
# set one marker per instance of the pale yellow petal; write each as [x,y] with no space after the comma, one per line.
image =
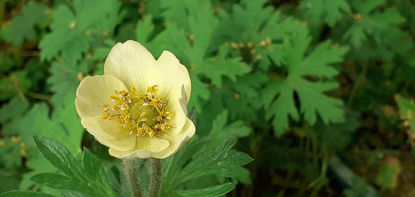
[132,63]
[145,147]
[94,92]
[170,74]
[177,104]
[176,139]
[109,133]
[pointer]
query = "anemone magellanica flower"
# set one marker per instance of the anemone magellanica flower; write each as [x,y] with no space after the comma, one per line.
[138,107]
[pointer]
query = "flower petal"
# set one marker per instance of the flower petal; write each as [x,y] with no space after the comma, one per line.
[145,147]
[176,139]
[132,63]
[109,133]
[94,92]
[177,104]
[171,74]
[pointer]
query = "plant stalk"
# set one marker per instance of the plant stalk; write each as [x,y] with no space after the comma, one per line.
[132,178]
[156,177]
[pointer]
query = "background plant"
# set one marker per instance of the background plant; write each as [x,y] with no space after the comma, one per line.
[312,88]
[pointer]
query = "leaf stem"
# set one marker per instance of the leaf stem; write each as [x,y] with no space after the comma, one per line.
[156,166]
[132,180]
[359,81]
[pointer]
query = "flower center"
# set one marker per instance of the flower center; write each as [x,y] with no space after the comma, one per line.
[142,114]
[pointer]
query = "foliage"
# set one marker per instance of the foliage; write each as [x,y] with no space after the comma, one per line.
[279,88]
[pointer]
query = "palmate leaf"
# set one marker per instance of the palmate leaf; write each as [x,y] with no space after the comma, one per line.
[207,156]
[191,44]
[377,32]
[65,79]
[327,11]
[88,20]
[200,158]
[311,94]
[221,130]
[89,179]
[17,82]
[63,126]
[258,28]
[22,26]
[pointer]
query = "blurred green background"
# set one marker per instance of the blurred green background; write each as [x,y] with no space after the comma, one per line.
[319,92]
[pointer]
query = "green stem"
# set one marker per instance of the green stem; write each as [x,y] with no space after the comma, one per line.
[156,177]
[132,179]
[360,80]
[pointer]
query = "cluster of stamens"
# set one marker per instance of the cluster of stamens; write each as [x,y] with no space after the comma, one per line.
[139,113]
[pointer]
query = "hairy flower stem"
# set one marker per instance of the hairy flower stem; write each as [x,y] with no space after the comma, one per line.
[156,177]
[132,178]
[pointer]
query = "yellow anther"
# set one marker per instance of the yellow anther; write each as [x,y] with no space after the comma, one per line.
[142,114]
[268,40]
[15,139]
[262,43]
[152,89]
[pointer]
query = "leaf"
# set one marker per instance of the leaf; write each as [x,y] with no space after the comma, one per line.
[95,171]
[376,31]
[300,67]
[144,29]
[337,136]
[221,130]
[328,11]
[89,179]
[11,153]
[17,193]
[65,80]
[389,172]
[22,26]
[16,83]
[88,20]
[217,190]
[14,109]
[200,158]
[218,67]
[7,63]
[59,156]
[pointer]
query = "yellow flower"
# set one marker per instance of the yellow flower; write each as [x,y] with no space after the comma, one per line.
[138,107]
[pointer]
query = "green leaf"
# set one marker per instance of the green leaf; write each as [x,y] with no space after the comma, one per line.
[218,67]
[64,80]
[95,171]
[328,11]
[59,156]
[221,130]
[22,26]
[201,158]
[389,172]
[301,66]
[88,20]
[24,194]
[8,63]
[376,33]
[13,109]
[89,179]
[144,29]
[217,190]
[16,83]
[10,153]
